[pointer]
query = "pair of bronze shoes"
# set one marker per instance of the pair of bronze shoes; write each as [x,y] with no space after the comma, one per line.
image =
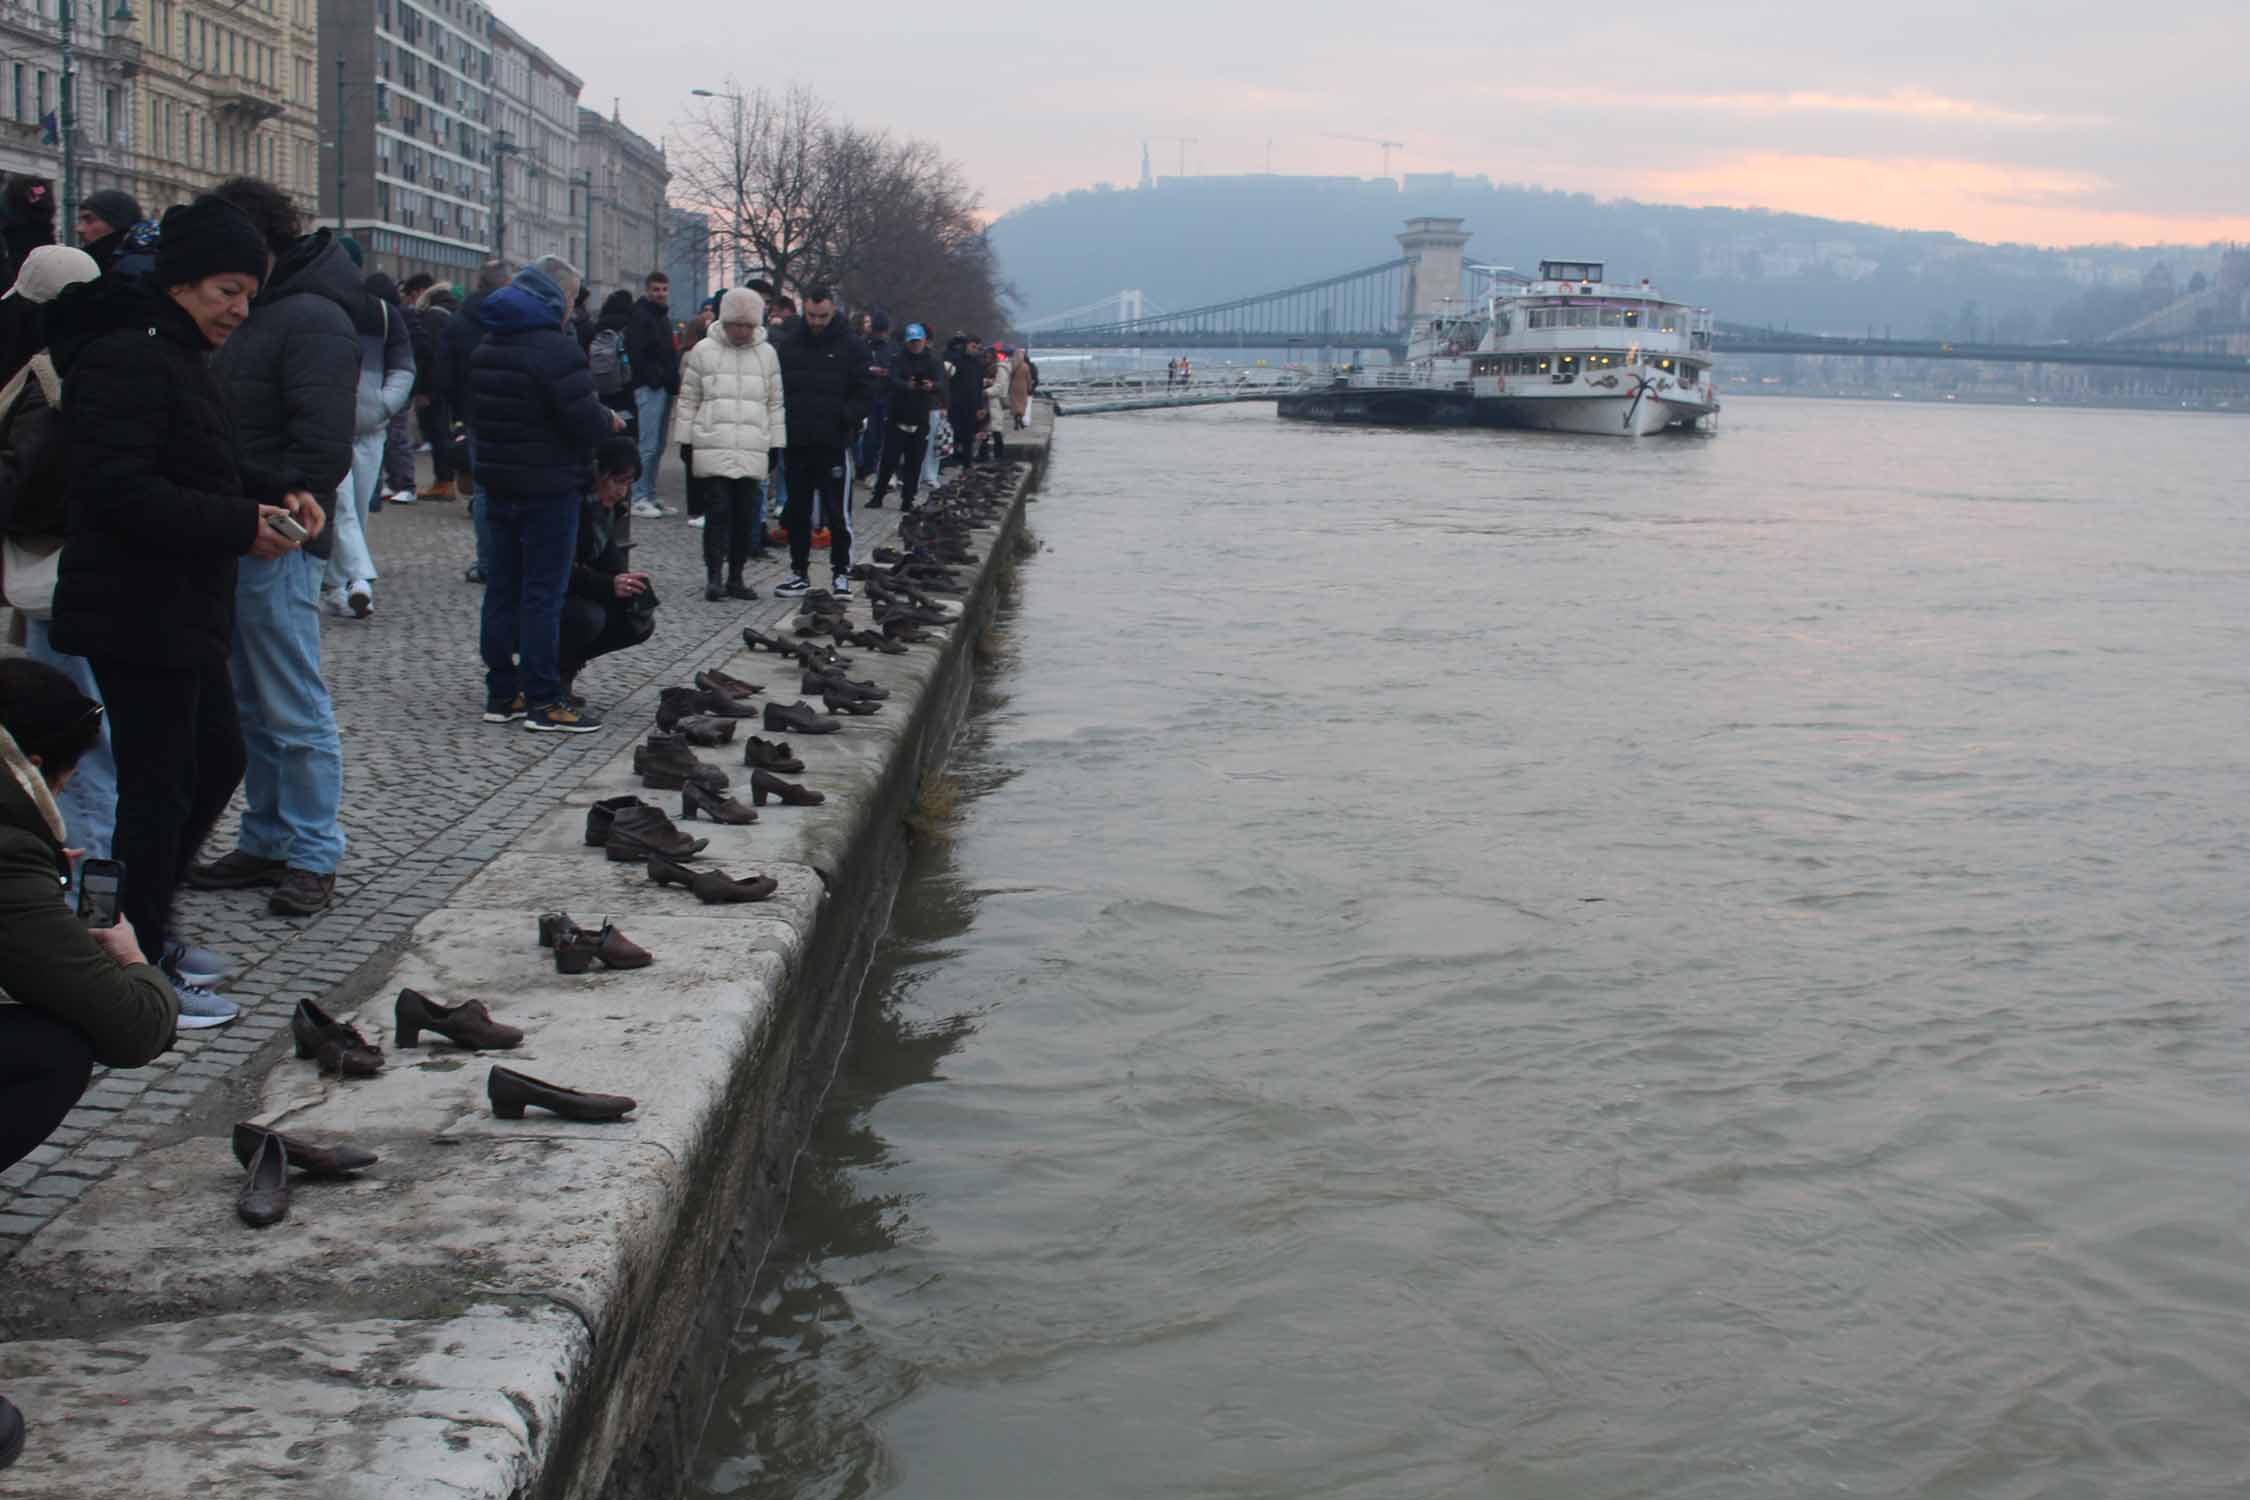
[577,950]
[630,830]
[512,1093]
[271,1157]
[468,1024]
[338,1048]
[712,887]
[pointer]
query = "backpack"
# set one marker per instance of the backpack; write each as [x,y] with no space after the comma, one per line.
[606,358]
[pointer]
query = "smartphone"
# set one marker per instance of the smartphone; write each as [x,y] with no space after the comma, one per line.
[287,525]
[101,882]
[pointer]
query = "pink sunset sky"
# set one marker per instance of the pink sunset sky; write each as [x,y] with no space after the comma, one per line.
[2053,123]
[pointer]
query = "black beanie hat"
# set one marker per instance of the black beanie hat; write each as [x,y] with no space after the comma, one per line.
[114,207]
[208,237]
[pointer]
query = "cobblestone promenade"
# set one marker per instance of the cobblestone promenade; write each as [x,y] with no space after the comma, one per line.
[431,793]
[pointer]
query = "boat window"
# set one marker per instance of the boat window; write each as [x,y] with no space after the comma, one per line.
[1633,317]
[1668,321]
[1567,364]
[1613,317]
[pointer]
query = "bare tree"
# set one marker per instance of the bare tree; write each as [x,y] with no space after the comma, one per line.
[755,163]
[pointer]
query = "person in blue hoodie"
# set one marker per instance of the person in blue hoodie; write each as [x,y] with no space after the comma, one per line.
[536,420]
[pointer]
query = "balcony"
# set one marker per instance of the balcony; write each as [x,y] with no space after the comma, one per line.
[247,108]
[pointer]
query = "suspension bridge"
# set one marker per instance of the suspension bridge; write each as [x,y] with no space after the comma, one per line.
[1373,307]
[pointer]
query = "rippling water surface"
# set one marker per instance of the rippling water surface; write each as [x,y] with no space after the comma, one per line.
[1510,965]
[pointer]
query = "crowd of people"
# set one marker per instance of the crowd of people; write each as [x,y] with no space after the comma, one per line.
[200,418]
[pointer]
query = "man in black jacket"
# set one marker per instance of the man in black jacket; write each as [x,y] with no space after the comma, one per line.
[292,381]
[964,397]
[916,381]
[536,419]
[611,607]
[827,393]
[654,358]
[456,347]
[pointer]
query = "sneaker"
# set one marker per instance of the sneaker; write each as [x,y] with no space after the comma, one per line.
[697,521]
[648,510]
[333,601]
[841,586]
[236,870]
[201,1008]
[405,496]
[795,586]
[504,710]
[360,595]
[194,965]
[302,894]
[820,537]
[561,718]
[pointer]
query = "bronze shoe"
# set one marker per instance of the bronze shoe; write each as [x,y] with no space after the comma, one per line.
[338,1048]
[264,1198]
[642,831]
[304,1156]
[468,1024]
[764,784]
[601,815]
[715,681]
[579,951]
[512,1093]
[696,801]
[772,755]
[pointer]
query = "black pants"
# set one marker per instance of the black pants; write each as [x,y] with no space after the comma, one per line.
[817,471]
[44,1067]
[591,629]
[733,531]
[178,747]
[903,452]
[964,420]
[436,421]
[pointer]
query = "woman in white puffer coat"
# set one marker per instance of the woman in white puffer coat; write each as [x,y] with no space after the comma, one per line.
[728,425]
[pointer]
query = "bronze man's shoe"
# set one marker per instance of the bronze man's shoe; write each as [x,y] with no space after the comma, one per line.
[338,1048]
[304,1156]
[553,925]
[695,801]
[468,1024]
[512,1093]
[797,718]
[713,888]
[579,951]
[858,708]
[716,681]
[600,816]
[764,784]
[706,731]
[666,763]
[774,755]
[264,1198]
[842,686]
[642,831]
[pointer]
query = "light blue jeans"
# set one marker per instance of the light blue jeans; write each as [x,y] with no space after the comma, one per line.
[653,408]
[352,558]
[89,799]
[294,779]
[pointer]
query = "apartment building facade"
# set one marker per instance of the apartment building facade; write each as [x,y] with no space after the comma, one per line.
[409,115]
[627,177]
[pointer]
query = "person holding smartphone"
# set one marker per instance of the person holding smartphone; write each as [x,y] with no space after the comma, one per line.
[161,509]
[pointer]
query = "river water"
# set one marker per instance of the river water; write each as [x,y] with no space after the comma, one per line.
[1488,964]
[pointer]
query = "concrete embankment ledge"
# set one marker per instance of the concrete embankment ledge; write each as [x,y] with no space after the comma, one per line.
[500,1308]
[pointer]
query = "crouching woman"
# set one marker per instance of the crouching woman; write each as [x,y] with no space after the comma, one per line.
[610,607]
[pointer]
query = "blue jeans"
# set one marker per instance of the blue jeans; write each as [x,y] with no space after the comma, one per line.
[477,517]
[533,543]
[869,453]
[653,408]
[293,776]
[89,799]
[351,558]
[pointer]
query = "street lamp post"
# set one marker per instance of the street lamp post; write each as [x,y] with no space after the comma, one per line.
[585,179]
[502,149]
[741,196]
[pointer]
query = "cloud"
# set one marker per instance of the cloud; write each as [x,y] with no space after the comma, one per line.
[1907,104]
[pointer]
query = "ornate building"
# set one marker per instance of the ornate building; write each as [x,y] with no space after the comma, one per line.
[627,177]
[223,91]
[535,100]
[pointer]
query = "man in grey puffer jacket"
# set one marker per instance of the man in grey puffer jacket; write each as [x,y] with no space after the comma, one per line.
[386,384]
[291,374]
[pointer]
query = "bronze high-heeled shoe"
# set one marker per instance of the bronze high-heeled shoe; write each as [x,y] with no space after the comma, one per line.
[264,1198]
[696,801]
[764,784]
[716,681]
[578,953]
[308,1157]
[468,1024]
[512,1093]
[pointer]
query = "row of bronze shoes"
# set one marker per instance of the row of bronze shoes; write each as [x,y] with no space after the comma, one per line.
[271,1156]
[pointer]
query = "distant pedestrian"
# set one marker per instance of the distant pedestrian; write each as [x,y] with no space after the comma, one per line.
[385,390]
[27,218]
[104,220]
[433,414]
[536,419]
[655,355]
[916,381]
[462,335]
[1021,383]
[730,421]
[824,380]
[965,394]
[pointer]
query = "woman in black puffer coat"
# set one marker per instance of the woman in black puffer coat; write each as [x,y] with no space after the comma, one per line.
[159,511]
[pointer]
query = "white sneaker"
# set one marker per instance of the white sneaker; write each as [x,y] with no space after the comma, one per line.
[359,597]
[200,1008]
[332,600]
[841,585]
[406,496]
[697,521]
[648,510]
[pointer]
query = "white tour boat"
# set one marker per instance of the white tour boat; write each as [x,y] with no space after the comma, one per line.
[1570,351]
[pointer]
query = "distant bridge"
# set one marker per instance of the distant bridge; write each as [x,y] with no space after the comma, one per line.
[1361,310]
